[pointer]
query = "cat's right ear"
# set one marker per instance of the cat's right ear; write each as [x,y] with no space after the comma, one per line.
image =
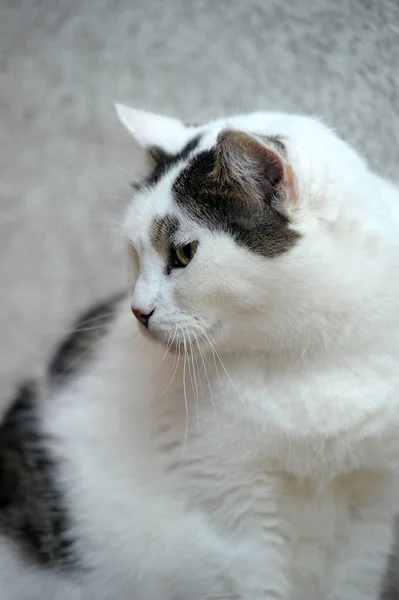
[257,170]
[155,133]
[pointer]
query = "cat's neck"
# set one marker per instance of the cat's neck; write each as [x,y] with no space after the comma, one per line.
[273,396]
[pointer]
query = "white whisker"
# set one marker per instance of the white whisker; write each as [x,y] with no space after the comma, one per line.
[174,368]
[209,383]
[76,330]
[185,397]
[222,364]
[134,179]
[166,351]
[193,380]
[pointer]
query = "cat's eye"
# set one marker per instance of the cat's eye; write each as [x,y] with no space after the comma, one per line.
[181,256]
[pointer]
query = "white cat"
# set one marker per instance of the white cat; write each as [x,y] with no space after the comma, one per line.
[246,446]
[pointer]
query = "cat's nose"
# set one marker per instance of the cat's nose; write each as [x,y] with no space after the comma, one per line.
[141,316]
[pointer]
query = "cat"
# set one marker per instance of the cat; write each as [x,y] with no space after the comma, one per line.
[235,436]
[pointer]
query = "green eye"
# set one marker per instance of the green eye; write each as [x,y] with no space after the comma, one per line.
[181,256]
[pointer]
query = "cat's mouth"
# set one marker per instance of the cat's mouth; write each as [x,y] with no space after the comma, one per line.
[182,339]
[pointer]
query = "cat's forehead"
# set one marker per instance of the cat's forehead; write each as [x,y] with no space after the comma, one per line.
[149,205]
[153,217]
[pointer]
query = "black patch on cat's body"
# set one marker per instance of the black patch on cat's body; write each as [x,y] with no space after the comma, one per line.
[390,582]
[166,161]
[218,208]
[76,350]
[32,511]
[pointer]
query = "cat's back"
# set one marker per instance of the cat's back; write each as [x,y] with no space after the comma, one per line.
[36,550]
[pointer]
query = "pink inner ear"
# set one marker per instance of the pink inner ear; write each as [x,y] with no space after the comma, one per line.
[251,163]
[272,164]
[290,187]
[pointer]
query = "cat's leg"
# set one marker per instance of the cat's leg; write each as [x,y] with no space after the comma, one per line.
[177,555]
[268,558]
[362,563]
[193,563]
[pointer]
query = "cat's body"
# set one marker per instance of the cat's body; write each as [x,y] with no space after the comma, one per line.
[267,470]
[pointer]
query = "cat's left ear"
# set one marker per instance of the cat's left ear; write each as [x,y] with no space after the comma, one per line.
[153,132]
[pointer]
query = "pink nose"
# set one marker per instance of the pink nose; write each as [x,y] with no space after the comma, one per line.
[141,316]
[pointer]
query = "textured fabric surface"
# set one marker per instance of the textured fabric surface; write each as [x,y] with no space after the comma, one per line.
[64,157]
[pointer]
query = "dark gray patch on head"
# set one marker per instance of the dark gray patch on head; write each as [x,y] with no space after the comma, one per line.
[76,350]
[162,232]
[32,510]
[220,206]
[163,161]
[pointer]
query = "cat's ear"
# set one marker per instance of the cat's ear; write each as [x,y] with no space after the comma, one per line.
[155,133]
[256,170]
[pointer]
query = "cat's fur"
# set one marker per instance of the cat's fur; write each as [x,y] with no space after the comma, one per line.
[258,458]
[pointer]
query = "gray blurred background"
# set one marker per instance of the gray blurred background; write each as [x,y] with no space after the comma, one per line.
[64,157]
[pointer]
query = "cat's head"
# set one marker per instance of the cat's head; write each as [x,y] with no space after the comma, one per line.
[240,230]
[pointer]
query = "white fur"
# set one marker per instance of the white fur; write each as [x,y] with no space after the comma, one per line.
[267,470]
